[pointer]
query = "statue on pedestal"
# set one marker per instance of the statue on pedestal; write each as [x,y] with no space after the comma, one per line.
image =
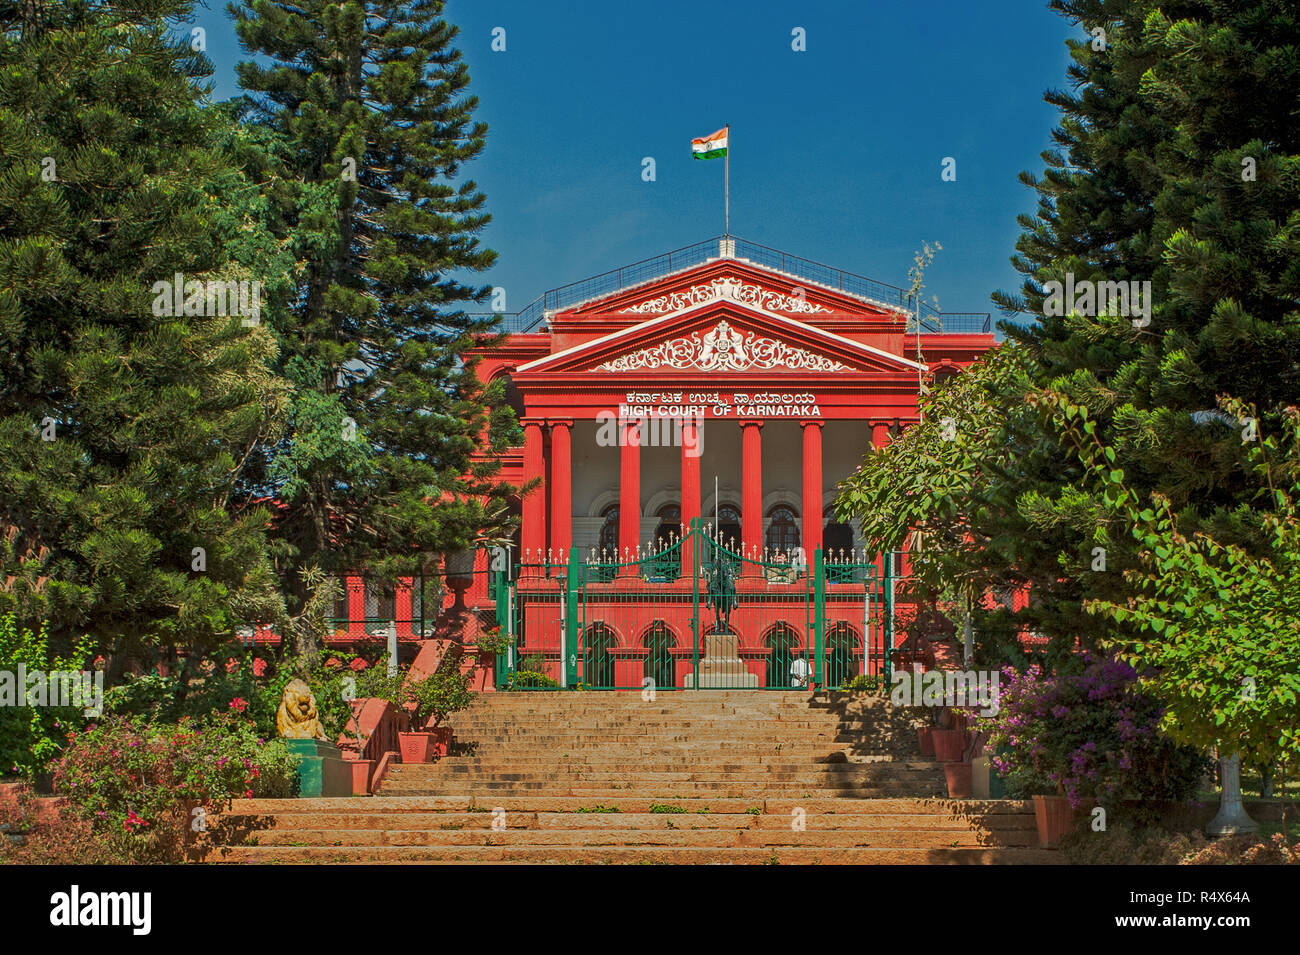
[722,590]
[297,718]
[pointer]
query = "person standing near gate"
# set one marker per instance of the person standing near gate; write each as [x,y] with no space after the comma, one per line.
[798,673]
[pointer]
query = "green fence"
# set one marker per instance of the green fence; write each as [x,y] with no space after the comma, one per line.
[694,614]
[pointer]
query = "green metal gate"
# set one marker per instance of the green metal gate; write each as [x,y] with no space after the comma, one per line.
[694,613]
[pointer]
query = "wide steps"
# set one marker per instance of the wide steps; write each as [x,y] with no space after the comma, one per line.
[634,855]
[601,777]
[627,829]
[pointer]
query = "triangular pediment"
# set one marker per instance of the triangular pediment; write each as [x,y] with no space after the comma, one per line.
[722,348]
[738,280]
[717,333]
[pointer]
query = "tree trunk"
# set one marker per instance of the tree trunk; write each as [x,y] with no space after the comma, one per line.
[1231,819]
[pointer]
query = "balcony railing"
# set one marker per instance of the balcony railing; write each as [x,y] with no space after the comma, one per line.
[568,296]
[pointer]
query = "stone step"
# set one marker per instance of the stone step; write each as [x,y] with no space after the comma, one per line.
[668,855]
[488,791]
[769,763]
[960,808]
[833,776]
[574,820]
[580,838]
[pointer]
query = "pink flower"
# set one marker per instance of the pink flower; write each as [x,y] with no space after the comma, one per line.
[358,664]
[239,704]
[259,667]
[333,662]
[232,665]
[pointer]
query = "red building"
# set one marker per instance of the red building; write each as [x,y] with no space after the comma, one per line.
[696,410]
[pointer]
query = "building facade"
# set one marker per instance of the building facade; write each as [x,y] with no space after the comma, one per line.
[686,421]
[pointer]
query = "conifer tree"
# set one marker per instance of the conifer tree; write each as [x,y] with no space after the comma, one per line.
[123,429]
[380,471]
[1176,164]
[1178,168]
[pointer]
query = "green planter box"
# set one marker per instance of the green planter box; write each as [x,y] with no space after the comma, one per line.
[321,770]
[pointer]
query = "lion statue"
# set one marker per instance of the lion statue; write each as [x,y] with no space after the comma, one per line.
[297,717]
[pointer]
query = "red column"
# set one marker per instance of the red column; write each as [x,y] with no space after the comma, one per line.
[690,487]
[629,489]
[880,434]
[751,486]
[532,535]
[812,487]
[561,488]
[356,607]
[405,585]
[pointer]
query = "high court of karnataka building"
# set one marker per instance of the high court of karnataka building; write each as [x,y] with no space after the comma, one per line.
[686,421]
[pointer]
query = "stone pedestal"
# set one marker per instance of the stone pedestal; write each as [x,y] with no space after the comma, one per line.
[721,666]
[321,769]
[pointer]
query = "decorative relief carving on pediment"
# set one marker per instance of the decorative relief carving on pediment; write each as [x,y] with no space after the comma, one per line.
[723,348]
[732,289]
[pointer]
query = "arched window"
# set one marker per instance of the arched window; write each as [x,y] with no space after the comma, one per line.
[660,666]
[783,641]
[665,561]
[609,533]
[729,526]
[511,393]
[837,537]
[782,529]
[843,654]
[669,530]
[597,662]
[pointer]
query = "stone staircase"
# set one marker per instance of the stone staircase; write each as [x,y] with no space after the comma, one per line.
[719,744]
[705,776]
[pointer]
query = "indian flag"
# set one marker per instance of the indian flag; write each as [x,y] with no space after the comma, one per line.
[713,146]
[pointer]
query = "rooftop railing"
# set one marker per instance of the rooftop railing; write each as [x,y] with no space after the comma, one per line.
[933,322]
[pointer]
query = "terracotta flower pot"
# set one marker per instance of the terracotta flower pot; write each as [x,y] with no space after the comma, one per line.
[441,740]
[1054,817]
[925,736]
[416,747]
[959,779]
[361,770]
[949,745]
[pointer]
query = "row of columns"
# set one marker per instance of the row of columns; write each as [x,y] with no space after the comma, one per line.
[533,537]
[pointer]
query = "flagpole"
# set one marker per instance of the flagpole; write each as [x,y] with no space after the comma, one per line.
[726,185]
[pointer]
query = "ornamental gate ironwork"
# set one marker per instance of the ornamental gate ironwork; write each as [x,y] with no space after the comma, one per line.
[696,612]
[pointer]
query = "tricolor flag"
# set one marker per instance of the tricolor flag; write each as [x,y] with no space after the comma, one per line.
[713,146]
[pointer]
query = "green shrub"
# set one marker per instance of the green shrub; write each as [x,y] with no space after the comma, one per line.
[242,674]
[136,782]
[31,736]
[522,679]
[1092,734]
[863,682]
[429,700]
[69,840]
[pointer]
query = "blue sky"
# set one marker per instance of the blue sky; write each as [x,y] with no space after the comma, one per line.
[836,151]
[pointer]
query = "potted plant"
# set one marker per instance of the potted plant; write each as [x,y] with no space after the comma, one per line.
[949,745]
[427,702]
[489,646]
[960,778]
[1067,739]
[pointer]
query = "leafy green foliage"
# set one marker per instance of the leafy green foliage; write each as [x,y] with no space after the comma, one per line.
[367,108]
[114,179]
[429,700]
[31,736]
[136,782]
[252,682]
[988,502]
[1093,733]
[1218,626]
